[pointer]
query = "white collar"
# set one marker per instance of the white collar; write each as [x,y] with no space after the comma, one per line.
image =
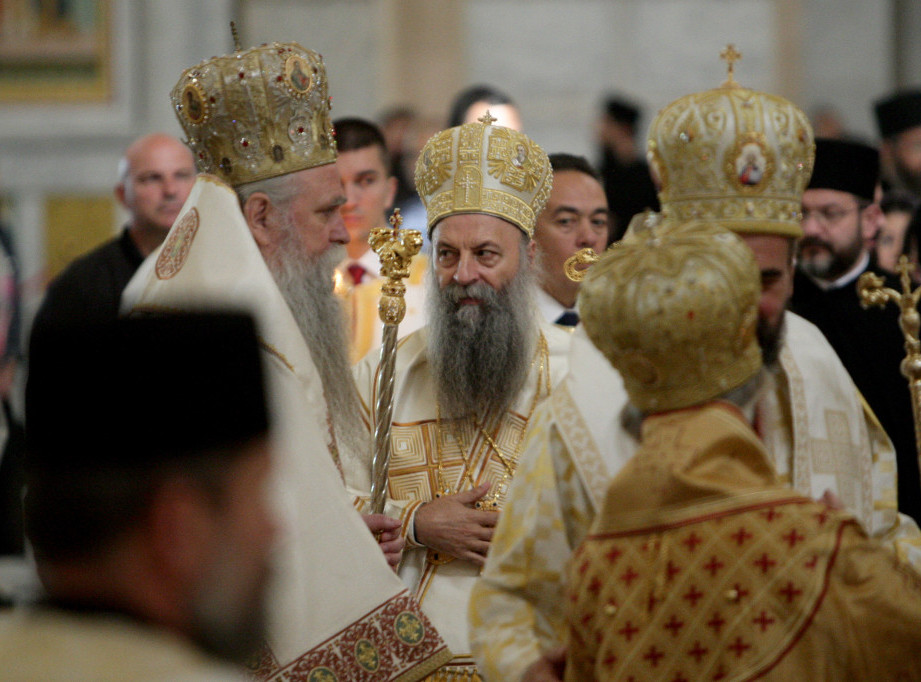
[550,309]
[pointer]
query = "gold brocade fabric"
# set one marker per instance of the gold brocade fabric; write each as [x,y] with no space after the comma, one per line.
[483,168]
[734,156]
[258,113]
[690,286]
[443,587]
[701,567]
[414,463]
[453,673]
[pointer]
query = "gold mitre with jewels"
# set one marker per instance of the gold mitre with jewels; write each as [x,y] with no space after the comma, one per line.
[482,168]
[674,308]
[734,156]
[258,113]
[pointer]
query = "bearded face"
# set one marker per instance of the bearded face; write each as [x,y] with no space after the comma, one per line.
[481,353]
[306,282]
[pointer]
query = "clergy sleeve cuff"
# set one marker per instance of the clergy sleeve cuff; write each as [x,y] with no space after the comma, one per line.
[408,518]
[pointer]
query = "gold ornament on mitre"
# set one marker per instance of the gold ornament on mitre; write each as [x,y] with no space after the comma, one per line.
[733,156]
[674,308]
[257,114]
[483,168]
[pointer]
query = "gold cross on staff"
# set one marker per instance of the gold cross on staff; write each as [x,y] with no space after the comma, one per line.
[730,55]
[396,220]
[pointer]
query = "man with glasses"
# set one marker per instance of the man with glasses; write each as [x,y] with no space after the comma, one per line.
[839,215]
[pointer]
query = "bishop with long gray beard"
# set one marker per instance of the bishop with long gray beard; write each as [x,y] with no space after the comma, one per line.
[306,282]
[481,353]
[466,385]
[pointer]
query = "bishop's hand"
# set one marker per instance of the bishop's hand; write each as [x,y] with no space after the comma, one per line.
[450,525]
[387,533]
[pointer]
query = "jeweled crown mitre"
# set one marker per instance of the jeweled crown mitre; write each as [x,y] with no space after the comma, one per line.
[674,308]
[258,113]
[482,168]
[735,156]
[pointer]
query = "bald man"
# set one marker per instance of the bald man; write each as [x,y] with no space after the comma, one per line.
[155,177]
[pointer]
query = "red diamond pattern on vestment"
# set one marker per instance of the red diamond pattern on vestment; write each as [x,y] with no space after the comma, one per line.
[791,592]
[741,535]
[716,623]
[763,620]
[671,570]
[653,656]
[674,625]
[698,652]
[629,576]
[714,565]
[765,563]
[793,537]
[691,541]
[739,647]
[693,595]
[628,631]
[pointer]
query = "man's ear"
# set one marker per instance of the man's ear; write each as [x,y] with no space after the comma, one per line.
[120,194]
[391,193]
[532,250]
[257,210]
[870,219]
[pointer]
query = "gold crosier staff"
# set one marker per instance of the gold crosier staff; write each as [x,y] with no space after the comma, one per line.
[872,292]
[577,265]
[395,248]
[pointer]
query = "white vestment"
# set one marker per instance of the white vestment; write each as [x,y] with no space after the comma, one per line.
[427,457]
[812,421]
[334,603]
[60,646]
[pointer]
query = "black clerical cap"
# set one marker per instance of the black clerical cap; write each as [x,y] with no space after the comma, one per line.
[622,110]
[133,392]
[898,112]
[845,166]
